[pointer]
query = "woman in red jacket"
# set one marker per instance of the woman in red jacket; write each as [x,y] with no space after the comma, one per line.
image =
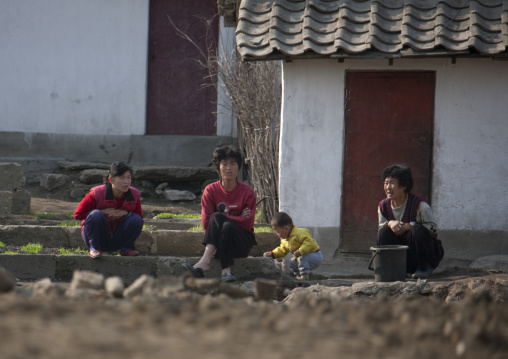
[228,208]
[111,214]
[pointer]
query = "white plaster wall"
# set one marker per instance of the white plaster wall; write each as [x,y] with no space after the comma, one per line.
[226,121]
[470,153]
[73,66]
[310,154]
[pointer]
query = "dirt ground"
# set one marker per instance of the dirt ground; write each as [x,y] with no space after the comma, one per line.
[190,324]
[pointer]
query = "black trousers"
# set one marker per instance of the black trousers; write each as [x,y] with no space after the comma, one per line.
[231,240]
[424,250]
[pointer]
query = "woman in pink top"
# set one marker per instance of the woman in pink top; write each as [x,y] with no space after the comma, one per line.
[228,208]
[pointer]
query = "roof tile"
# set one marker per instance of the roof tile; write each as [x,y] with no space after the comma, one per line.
[326,27]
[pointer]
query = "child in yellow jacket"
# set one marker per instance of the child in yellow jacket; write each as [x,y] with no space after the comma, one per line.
[306,253]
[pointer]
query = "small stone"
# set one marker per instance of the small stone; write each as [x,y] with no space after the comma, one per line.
[175,195]
[114,286]
[265,289]
[50,181]
[87,280]
[7,280]
[138,286]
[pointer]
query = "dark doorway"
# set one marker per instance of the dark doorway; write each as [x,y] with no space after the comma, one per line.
[177,102]
[388,119]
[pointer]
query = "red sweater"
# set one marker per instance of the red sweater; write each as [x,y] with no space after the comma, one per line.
[235,202]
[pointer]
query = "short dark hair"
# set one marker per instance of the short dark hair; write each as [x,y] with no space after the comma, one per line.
[117,169]
[402,173]
[223,152]
[281,219]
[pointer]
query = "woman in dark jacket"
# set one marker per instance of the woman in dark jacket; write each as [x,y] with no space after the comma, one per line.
[111,214]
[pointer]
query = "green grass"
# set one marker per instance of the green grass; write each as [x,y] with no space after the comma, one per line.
[10,252]
[173,215]
[2,244]
[72,251]
[197,229]
[52,215]
[71,223]
[33,248]
[258,215]
[262,229]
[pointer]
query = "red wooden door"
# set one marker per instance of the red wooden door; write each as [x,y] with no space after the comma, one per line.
[388,119]
[177,102]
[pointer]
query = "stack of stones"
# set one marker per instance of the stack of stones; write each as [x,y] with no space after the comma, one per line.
[14,199]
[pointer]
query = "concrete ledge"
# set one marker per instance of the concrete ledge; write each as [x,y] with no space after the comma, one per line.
[61,267]
[153,242]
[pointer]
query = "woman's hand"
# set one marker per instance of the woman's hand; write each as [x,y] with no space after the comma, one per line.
[297,254]
[399,228]
[246,212]
[268,254]
[113,214]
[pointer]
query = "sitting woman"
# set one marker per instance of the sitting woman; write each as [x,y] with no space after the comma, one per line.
[405,219]
[228,208]
[111,214]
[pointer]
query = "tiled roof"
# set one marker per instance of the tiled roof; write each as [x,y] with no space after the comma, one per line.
[370,28]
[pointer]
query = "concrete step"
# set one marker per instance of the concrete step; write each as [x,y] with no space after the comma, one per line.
[61,267]
[154,242]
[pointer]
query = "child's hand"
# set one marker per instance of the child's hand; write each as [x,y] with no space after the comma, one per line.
[297,254]
[268,254]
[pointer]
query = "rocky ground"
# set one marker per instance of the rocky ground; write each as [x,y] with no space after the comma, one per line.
[461,314]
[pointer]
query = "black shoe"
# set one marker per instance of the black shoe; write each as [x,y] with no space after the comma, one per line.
[196,272]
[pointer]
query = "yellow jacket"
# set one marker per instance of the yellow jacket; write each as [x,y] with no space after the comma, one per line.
[299,239]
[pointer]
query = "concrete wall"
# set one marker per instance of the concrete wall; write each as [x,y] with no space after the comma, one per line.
[74,82]
[469,156]
[73,66]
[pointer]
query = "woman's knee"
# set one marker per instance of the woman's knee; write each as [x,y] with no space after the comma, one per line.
[419,230]
[135,220]
[385,235]
[95,216]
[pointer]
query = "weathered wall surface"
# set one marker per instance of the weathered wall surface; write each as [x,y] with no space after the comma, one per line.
[469,155]
[73,66]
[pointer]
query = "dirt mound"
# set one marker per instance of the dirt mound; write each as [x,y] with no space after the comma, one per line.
[191,324]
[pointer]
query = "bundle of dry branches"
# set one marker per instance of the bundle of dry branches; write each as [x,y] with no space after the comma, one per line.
[253,92]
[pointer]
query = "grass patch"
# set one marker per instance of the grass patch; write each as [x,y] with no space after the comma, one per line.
[72,251]
[2,244]
[197,229]
[71,223]
[263,229]
[258,215]
[10,252]
[32,248]
[52,215]
[173,215]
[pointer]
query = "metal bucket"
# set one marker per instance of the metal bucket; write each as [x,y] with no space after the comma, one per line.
[389,263]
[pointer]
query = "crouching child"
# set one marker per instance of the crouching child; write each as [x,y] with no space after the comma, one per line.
[306,252]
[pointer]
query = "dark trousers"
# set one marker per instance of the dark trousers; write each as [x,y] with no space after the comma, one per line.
[230,240]
[95,232]
[424,250]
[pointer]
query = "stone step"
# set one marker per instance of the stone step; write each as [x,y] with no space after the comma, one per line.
[159,242]
[61,267]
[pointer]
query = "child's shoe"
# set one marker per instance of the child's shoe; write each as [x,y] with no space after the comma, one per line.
[304,276]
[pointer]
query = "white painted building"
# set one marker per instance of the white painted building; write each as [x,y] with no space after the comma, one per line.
[78,77]
[353,73]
